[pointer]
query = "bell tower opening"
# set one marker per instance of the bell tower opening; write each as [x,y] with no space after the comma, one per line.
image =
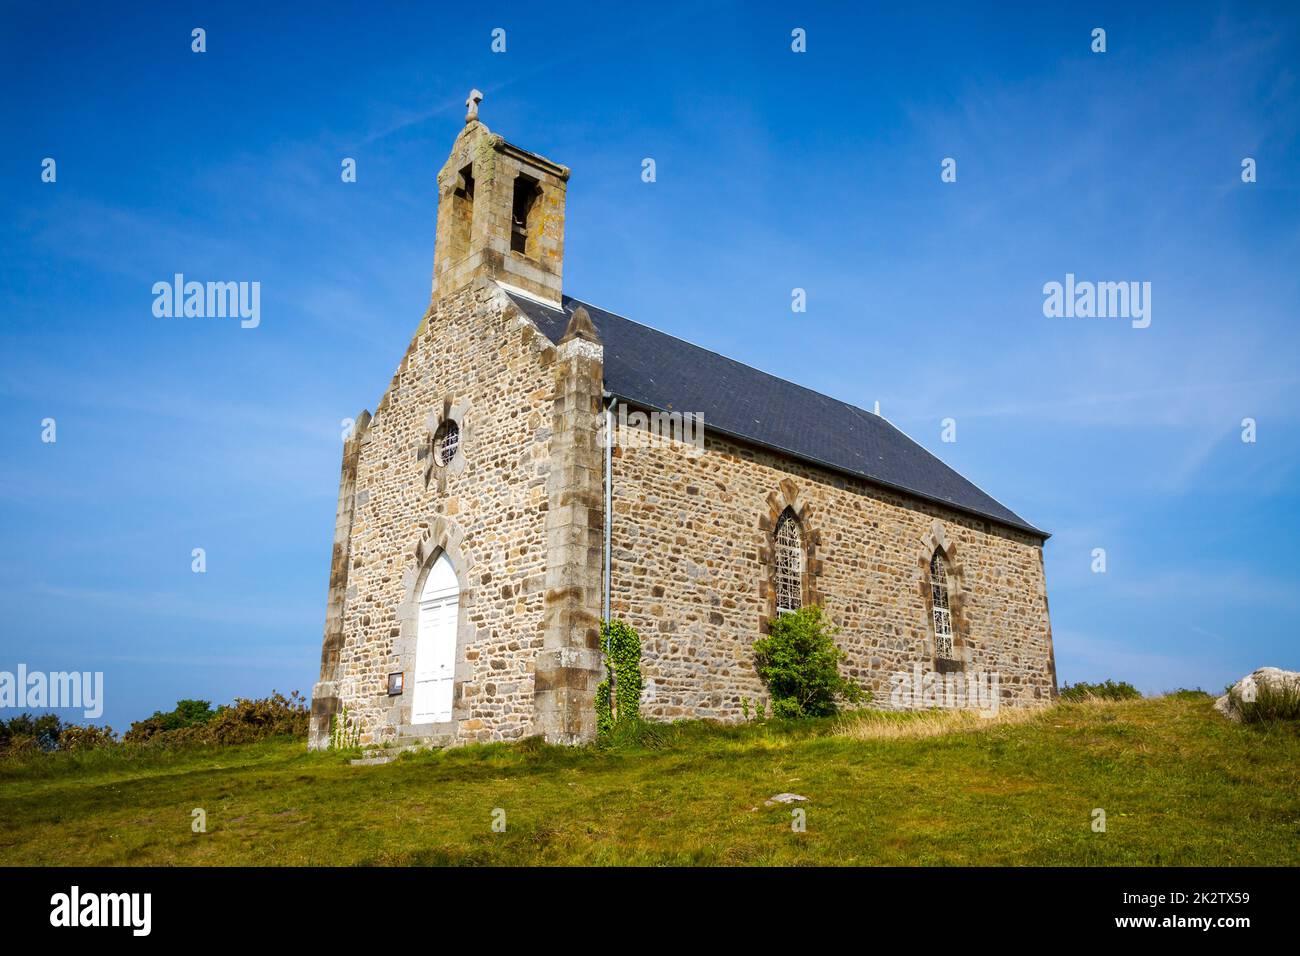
[461,210]
[524,216]
[500,215]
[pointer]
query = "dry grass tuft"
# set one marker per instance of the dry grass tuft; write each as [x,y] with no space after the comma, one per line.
[893,725]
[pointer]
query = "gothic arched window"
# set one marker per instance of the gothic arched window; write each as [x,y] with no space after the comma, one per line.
[789,563]
[939,601]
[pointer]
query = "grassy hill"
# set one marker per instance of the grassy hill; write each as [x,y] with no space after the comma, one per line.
[1179,785]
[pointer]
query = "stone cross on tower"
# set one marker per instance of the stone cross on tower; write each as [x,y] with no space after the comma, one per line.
[471,105]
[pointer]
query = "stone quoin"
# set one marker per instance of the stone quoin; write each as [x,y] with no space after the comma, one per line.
[474,507]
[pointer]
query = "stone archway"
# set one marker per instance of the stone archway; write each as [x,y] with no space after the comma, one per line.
[936,539]
[443,539]
[785,497]
[435,645]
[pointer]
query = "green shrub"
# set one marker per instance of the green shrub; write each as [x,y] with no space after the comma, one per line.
[187,713]
[28,734]
[247,721]
[1106,690]
[1187,693]
[621,646]
[634,733]
[20,745]
[243,722]
[76,737]
[799,663]
[193,722]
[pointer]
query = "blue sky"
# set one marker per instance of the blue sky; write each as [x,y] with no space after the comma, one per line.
[775,170]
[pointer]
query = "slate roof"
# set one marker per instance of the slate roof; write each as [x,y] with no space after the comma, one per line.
[654,370]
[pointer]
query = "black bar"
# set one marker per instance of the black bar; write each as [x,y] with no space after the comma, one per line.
[239,905]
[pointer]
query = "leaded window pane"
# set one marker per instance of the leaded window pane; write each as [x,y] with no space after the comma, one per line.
[789,564]
[445,442]
[939,600]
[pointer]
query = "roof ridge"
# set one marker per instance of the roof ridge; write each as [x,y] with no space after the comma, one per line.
[873,453]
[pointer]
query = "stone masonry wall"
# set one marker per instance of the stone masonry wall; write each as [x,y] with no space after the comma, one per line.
[691,559]
[324,697]
[569,667]
[476,360]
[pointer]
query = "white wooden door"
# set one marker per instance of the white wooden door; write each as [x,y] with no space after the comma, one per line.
[435,647]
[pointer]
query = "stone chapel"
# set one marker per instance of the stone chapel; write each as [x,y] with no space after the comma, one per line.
[510,492]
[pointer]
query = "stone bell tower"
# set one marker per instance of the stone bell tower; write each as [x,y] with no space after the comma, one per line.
[500,214]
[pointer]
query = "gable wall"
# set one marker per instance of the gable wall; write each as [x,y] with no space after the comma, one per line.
[690,568]
[476,358]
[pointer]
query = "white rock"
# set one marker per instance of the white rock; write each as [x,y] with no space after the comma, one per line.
[1250,685]
[784,798]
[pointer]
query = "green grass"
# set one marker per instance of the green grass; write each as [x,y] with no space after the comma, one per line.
[1179,784]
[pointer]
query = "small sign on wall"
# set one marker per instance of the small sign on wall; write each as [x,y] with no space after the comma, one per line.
[395,684]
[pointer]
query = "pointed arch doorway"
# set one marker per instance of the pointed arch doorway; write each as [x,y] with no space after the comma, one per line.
[435,646]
